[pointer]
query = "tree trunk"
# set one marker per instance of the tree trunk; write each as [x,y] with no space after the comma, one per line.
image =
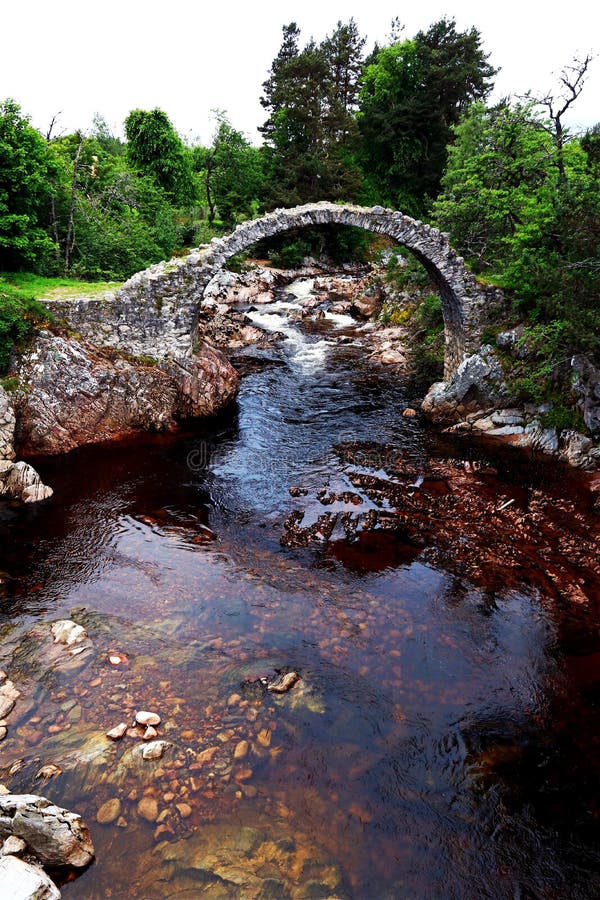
[70,239]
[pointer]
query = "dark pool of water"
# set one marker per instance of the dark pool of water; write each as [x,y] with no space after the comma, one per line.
[444,740]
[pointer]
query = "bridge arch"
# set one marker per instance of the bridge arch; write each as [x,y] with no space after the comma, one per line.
[462,296]
[155,312]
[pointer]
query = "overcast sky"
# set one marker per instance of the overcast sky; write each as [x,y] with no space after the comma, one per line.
[188,56]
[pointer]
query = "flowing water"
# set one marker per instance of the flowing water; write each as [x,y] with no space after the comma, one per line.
[443,739]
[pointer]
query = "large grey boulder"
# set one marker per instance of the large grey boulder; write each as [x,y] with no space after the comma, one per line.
[586,384]
[477,383]
[21,881]
[54,835]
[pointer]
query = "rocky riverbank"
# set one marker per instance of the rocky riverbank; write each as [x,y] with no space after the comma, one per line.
[477,401]
[72,392]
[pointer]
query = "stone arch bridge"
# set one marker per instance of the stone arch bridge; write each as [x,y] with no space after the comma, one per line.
[155,312]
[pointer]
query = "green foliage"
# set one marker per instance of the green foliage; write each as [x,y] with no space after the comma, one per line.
[527,209]
[291,254]
[26,170]
[338,244]
[11,384]
[403,272]
[19,315]
[311,134]
[429,314]
[154,148]
[413,92]
[562,416]
[232,172]
[427,367]
[237,263]
[535,377]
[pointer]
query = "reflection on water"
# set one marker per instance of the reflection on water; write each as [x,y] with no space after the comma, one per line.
[443,740]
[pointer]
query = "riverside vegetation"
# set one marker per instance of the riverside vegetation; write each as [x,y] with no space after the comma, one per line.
[399,127]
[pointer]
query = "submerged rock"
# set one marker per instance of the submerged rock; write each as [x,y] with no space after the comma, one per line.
[56,836]
[284,683]
[9,695]
[109,812]
[68,632]
[235,861]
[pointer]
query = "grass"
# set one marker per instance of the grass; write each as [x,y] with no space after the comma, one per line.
[54,288]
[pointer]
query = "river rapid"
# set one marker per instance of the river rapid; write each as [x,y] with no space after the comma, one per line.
[439,600]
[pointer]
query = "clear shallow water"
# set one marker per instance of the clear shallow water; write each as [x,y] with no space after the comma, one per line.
[444,739]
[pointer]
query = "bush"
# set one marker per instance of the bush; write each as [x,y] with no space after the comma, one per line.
[19,315]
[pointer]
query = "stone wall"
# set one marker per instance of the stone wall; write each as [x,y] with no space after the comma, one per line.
[155,312]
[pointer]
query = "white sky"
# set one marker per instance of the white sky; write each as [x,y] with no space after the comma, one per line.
[190,56]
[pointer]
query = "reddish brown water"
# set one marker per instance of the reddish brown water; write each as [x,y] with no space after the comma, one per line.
[444,738]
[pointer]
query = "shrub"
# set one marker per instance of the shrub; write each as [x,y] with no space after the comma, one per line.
[19,315]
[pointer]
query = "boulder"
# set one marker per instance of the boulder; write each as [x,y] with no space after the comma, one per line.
[578,450]
[586,384]
[477,383]
[20,481]
[21,881]
[7,426]
[78,394]
[56,836]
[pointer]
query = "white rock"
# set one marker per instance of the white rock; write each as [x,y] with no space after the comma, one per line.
[21,881]
[116,733]
[67,632]
[147,718]
[12,846]
[155,750]
[8,697]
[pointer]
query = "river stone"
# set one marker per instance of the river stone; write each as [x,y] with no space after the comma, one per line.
[109,811]
[21,881]
[148,809]
[68,632]
[20,481]
[116,733]
[12,846]
[586,384]
[7,426]
[8,697]
[75,394]
[56,836]
[147,718]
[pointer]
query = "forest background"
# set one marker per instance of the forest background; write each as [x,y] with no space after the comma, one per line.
[408,126]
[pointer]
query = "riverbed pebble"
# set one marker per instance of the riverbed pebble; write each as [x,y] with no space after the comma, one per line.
[147,718]
[116,733]
[109,811]
[284,683]
[155,750]
[148,809]
[68,632]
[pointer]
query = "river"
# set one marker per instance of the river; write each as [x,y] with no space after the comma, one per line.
[443,739]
